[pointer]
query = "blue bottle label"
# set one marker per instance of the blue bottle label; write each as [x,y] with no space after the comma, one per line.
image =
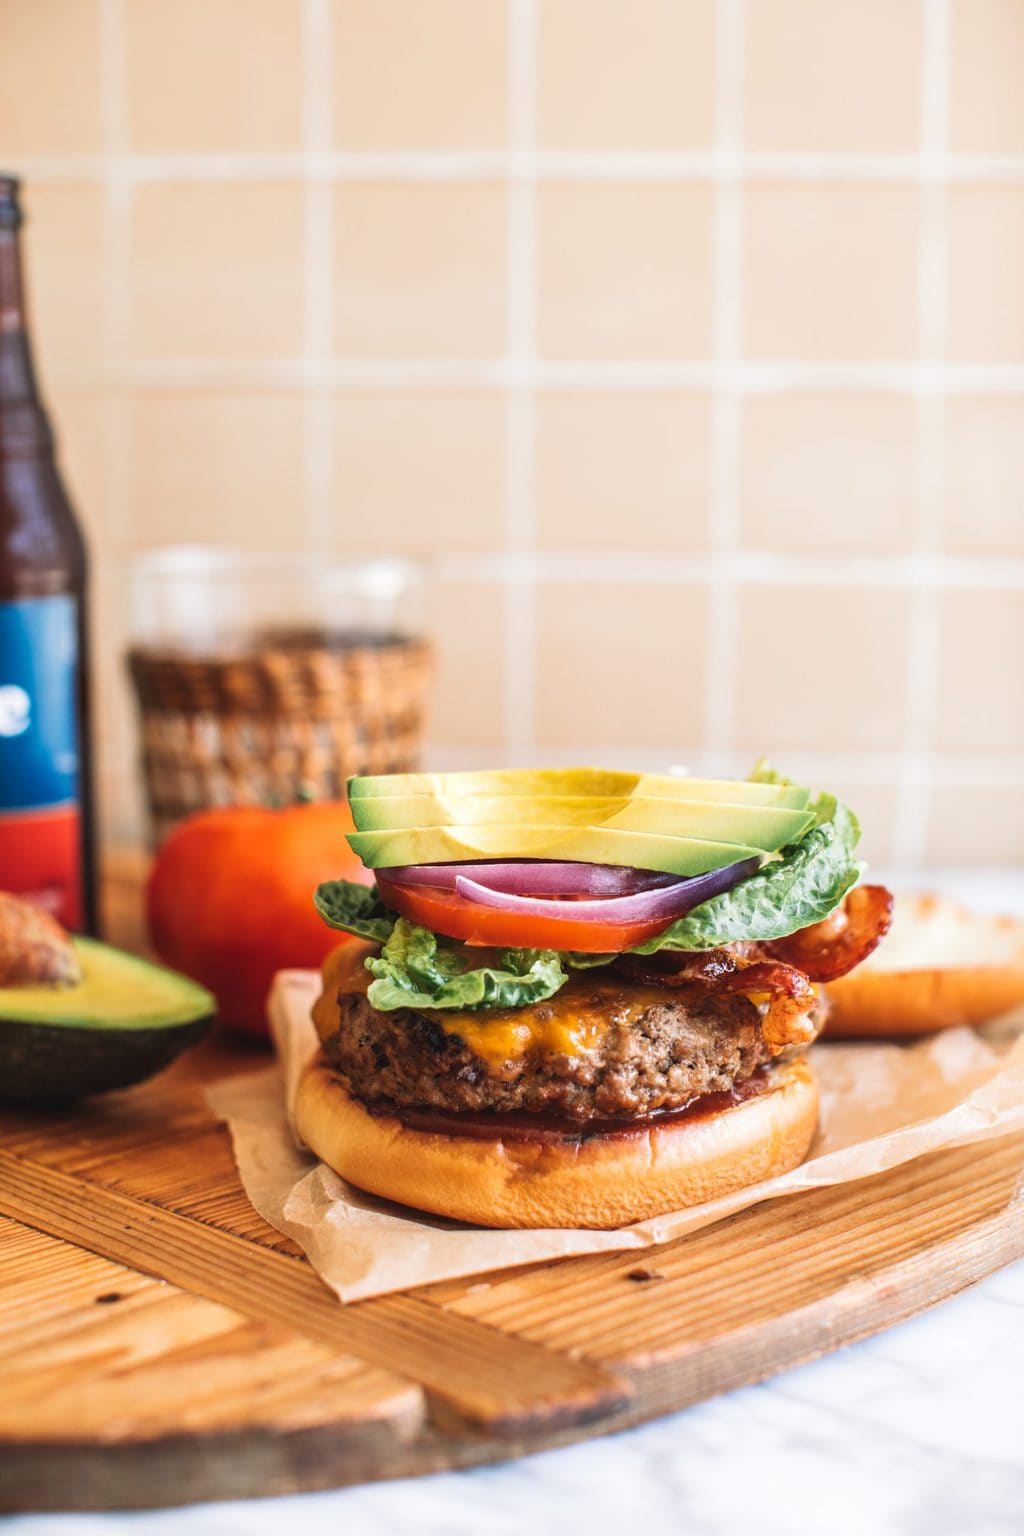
[40,854]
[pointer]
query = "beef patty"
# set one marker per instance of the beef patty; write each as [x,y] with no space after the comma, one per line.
[653,1049]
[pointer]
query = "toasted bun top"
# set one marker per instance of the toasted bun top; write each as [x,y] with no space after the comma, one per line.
[940,965]
[603,1181]
[935,933]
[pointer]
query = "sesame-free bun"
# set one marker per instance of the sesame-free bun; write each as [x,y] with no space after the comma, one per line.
[939,965]
[603,1181]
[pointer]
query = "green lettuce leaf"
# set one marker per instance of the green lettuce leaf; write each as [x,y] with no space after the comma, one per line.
[355,909]
[763,773]
[420,969]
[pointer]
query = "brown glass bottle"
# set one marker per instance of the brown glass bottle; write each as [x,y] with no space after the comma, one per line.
[46,821]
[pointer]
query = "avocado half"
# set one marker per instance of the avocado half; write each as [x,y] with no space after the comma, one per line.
[124,1020]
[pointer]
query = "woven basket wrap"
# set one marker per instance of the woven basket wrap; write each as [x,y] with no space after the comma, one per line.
[271,725]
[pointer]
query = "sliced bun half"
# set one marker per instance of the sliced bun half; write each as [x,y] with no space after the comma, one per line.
[940,965]
[604,1181]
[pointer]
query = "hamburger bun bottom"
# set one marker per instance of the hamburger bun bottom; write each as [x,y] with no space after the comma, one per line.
[601,1182]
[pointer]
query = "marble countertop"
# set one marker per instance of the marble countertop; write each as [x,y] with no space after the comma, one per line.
[916,1432]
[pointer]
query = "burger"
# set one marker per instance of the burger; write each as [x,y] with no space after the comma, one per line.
[579,997]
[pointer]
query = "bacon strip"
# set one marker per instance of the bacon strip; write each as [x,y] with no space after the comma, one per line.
[847,936]
[789,996]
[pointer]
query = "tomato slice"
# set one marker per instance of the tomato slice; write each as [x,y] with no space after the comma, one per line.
[445,912]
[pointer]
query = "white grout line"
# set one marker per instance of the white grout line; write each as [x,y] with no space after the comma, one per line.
[325,165]
[520,402]
[744,567]
[119,438]
[923,642]
[741,377]
[723,598]
[319,305]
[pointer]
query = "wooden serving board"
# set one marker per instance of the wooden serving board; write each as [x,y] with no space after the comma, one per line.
[160,1344]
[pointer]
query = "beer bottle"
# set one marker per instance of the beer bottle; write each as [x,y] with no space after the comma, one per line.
[46,843]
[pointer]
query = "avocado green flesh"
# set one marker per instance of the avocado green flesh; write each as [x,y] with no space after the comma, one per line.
[757,826]
[117,991]
[682,856]
[601,782]
[124,1020]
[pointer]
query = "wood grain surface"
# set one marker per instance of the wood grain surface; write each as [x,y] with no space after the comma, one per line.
[160,1344]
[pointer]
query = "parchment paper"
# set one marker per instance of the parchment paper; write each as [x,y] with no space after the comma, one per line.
[881,1105]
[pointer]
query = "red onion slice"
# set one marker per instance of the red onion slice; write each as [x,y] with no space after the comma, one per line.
[539,877]
[643,906]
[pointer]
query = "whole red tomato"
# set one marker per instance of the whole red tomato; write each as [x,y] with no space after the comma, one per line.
[230,898]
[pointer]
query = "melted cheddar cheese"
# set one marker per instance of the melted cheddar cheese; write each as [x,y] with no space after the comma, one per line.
[574,1021]
[552,1028]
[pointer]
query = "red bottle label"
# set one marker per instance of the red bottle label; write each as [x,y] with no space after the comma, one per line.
[40,831]
[40,858]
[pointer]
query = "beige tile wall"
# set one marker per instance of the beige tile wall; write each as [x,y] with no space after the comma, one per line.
[686,337]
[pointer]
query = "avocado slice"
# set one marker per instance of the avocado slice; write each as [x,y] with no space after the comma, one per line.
[606,782]
[759,826]
[124,1020]
[592,845]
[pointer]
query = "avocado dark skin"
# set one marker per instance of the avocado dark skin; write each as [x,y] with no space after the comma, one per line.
[50,1065]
